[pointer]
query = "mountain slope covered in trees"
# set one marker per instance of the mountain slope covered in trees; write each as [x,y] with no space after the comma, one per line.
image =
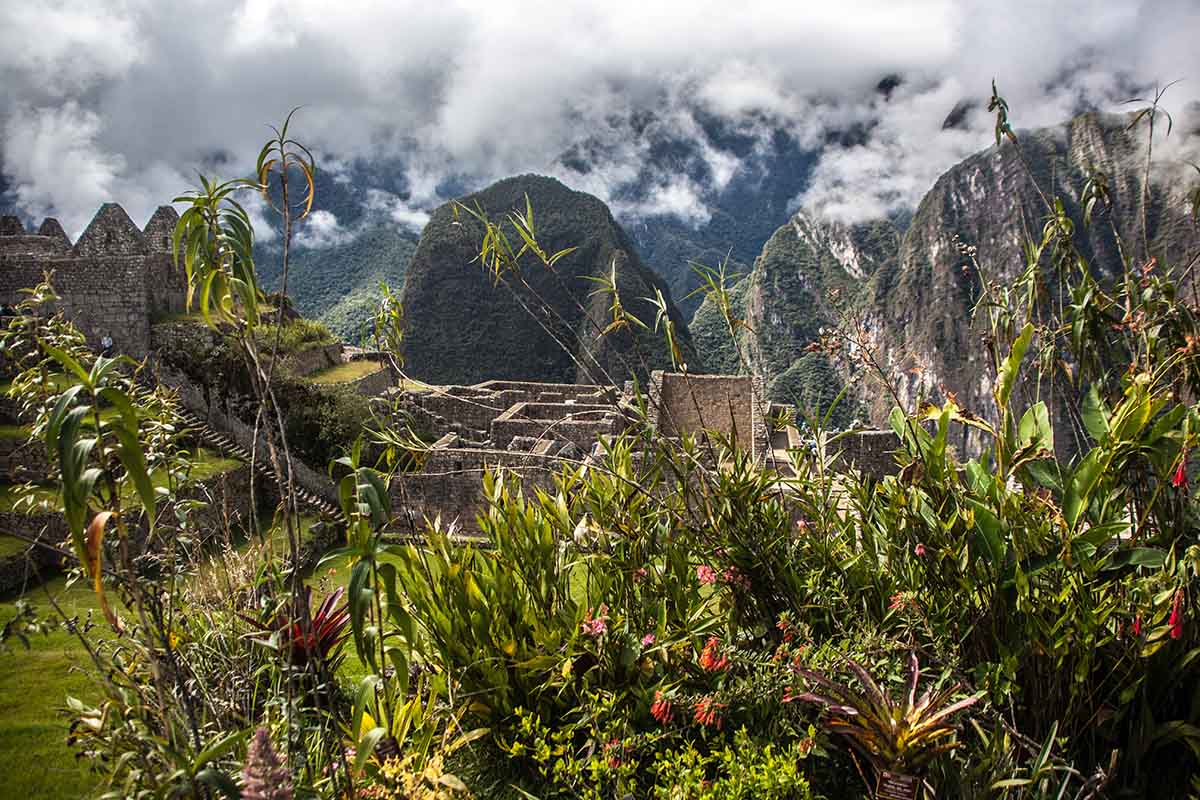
[912,292]
[537,323]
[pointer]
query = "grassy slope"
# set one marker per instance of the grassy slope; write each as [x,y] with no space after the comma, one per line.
[344,373]
[34,684]
[339,285]
[34,757]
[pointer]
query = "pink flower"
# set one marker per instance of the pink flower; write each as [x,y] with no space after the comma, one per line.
[1176,620]
[736,578]
[648,640]
[1137,625]
[598,626]
[919,550]
[706,574]
[640,575]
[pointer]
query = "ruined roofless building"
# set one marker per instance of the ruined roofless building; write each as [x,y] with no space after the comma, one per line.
[112,282]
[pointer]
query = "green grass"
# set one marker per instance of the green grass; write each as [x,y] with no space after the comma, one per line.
[181,316]
[345,372]
[34,758]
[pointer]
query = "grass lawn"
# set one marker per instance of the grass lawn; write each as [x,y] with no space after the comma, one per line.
[345,372]
[34,758]
[34,683]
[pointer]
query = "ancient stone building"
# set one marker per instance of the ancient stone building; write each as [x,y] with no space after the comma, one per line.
[532,430]
[113,282]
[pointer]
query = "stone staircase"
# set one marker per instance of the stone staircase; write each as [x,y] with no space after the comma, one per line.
[226,446]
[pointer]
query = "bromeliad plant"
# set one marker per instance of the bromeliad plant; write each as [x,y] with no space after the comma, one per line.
[320,642]
[899,735]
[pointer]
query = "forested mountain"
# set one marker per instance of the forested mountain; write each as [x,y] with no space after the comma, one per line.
[913,291]
[462,326]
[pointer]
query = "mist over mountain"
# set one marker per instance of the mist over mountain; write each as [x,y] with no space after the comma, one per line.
[915,291]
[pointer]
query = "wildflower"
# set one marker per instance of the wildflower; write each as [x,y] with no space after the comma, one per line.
[711,658]
[787,695]
[1180,479]
[648,640]
[613,749]
[640,575]
[708,713]
[1176,620]
[706,574]
[919,550]
[897,602]
[736,578]
[597,626]
[661,709]
[265,777]
[1137,625]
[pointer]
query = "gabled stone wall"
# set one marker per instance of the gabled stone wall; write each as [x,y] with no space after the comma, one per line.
[112,282]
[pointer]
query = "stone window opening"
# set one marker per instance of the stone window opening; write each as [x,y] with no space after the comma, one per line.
[166,243]
[109,238]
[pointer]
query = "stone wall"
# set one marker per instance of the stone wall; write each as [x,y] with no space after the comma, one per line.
[872,452]
[111,283]
[227,497]
[724,404]
[451,486]
[312,359]
[375,383]
[220,419]
[22,460]
[579,424]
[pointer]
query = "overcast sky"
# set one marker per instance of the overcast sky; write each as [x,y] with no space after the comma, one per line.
[124,99]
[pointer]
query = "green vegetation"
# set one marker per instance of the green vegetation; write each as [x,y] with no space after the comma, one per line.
[345,372]
[34,684]
[464,323]
[296,336]
[671,620]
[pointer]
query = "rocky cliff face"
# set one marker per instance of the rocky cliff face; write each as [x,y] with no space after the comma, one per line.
[809,275]
[462,327]
[915,293]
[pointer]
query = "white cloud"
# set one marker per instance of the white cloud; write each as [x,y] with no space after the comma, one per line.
[132,95]
[322,229]
[397,210]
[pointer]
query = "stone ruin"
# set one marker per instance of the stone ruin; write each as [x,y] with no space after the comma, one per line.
[112,282]
[531,430]
[117,280]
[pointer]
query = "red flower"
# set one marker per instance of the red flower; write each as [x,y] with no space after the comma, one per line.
[919,550]
[661,709]
[1180,479]
[1137,625]
[706,574]
[711,658]
[1176,621]
[708,713]
[614,749]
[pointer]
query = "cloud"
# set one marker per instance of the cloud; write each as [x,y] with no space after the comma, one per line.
[392,207]
[125,99]
[322,229]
